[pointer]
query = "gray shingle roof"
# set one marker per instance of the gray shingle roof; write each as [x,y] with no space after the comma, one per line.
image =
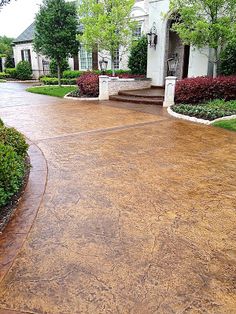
[27,35]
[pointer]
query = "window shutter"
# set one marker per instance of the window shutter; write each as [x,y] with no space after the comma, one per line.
[29,57]
[22,55]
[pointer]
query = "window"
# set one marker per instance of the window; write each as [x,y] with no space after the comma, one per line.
[117,59]
[85,59]
[25,55]
[138,30]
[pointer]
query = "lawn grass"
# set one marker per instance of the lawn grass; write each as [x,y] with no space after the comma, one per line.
[56,91]
[226,124]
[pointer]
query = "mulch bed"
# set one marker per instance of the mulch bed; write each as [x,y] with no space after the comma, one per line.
[8,210]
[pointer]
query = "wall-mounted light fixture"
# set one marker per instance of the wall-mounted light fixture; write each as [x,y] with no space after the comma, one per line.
[152,36]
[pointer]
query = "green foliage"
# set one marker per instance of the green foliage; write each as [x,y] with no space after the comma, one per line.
[138,56]
[54,81]
[9,63]
[11,173]
[11,72]
[3,75]
[1,123]
[23,70]
[13,138]
[71,74]
[205,23]
[56,91]
[228,59]
[6,46]
[107,24]
[227,124]
[208,111]
[53,67]
[56,29]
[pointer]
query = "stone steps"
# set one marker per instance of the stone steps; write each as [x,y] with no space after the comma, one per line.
[137,100]
[153,96]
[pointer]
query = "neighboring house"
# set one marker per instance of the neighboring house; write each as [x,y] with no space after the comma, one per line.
[151,15]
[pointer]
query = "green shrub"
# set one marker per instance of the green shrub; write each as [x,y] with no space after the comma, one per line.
[3,75]
[24,71]
[54,81]
[228,59]
[138,56]
[13,138]
[12,169]
[53,67]
[68,74]
[11,72]
[206,111]
[9,62]
[1,123]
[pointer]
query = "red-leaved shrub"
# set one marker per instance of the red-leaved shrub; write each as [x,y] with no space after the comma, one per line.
[88,84]
[201,89]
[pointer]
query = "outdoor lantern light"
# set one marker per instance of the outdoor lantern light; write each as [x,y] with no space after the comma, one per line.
[103,65]
[152,36]
[172,64]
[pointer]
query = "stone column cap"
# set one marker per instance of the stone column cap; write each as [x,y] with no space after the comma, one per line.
[171,78]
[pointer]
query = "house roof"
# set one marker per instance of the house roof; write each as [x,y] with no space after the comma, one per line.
[26,36]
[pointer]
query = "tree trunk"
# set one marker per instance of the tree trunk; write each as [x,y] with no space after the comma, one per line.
[59,73]
[215,63]
[112,63]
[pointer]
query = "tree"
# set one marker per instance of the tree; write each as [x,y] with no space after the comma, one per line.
[6,46]
[205,23]
[228,59]
[106,24]
[55,31]
[138,56]
[3,2]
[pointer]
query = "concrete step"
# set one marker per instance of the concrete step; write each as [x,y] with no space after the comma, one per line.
[145,93]
[138,100]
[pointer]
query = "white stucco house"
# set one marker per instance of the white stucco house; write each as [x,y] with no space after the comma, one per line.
[151,15]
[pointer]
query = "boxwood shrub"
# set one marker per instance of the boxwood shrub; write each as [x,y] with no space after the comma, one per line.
[13,150]
[11,72]
[12,168]
[23,70]
[69,74]
[54,81]
[201,89]
[3,75]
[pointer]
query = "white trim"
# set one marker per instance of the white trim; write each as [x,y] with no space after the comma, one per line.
[194,119]
[80,98]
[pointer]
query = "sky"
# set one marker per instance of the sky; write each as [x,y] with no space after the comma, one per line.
[17,16]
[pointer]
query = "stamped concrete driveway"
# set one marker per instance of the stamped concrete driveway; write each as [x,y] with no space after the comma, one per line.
[138,215]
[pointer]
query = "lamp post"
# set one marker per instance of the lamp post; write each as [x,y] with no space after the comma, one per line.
[172,64]
[103,65]
[152,36]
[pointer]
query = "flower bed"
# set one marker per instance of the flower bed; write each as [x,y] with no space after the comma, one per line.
[208,111]
[14,167]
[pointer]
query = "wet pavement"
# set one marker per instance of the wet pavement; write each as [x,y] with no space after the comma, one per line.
[138,215]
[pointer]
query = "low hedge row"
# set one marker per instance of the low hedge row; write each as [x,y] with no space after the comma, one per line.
[202,89]
[205,112]
[13,150]
[3,75]
[54,81]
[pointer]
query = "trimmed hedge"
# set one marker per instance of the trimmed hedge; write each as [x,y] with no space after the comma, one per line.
[54,81]
[202,89]
[13,150]
[3,75]
[12,169]
[11,72]
[68,74]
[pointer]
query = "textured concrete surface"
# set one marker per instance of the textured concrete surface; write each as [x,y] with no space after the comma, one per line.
[138,214]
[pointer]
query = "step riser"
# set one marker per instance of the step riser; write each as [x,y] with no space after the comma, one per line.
[159,97]
[138,101]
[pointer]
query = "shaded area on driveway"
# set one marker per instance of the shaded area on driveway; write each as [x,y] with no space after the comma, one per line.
[138,214]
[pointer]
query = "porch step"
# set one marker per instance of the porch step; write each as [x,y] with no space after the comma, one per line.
[138,99]
[145,93]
